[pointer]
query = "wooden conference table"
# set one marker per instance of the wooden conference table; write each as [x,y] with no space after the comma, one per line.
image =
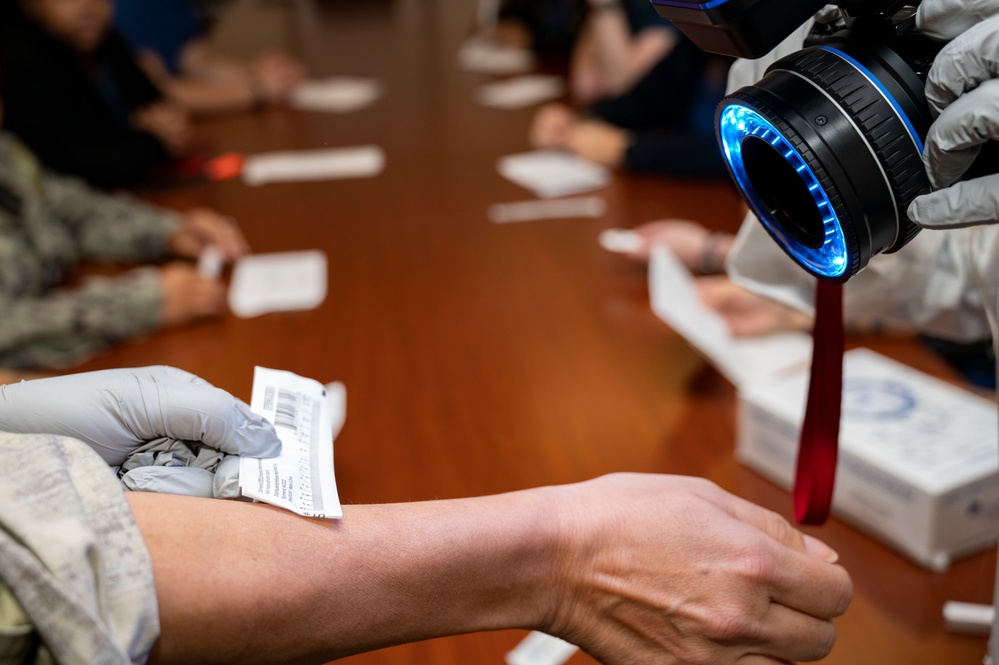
[482,358]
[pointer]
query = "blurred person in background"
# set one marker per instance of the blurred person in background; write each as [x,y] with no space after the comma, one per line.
[75,94]
[49,223]
[647,92]
[171,38]
[544,26]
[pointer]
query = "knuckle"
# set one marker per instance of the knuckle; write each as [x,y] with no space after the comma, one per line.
[731,625]
[779,528]
[755,565]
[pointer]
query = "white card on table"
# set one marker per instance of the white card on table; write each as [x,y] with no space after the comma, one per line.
[541,649]
[676,301]
[307,416]
[278,282]
[550,173]
[483,55]
[622,241]
[304,165]
[529,211]
[521,92]
[339,94]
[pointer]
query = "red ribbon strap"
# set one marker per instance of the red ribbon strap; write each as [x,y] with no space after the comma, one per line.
[819,444]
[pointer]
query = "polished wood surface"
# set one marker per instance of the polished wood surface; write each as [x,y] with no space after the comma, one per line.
[482,358]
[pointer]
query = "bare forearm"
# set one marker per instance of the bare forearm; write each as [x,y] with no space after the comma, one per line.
[621,58]
[635,569]
[611,43]
[251,584]
[199,61]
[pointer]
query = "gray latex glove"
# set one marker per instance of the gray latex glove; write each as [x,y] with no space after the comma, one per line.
[963,93]
[143,416]
[946,19]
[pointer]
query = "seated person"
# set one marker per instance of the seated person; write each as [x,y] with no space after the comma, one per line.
[632,568]
[49,223]
[170,37]
[74,93]
[649,94]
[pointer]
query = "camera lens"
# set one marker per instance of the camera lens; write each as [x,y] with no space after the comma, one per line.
[826,150]
[782,192]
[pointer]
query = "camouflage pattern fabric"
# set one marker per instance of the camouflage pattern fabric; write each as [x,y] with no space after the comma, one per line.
[76,580]
[48,224]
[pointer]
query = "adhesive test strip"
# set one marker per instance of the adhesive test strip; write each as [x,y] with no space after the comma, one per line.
[210,262]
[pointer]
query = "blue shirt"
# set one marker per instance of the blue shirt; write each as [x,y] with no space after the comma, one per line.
[161,26]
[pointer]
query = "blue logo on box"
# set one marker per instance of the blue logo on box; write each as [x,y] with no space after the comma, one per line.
[877,400]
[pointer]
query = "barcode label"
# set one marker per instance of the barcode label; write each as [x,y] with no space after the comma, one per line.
[307,416]
[286,414]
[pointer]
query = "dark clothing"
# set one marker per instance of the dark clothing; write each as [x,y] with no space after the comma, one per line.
[73,110]
[164,27]
[554,24]
[669,113]
[670,110]
[641,15]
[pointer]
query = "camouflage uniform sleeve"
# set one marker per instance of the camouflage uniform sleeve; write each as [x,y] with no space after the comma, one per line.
[110,227]
[66,327]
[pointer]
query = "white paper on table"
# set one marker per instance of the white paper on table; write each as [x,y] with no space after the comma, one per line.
[278,282]
[307,416]
[676,301]
[622,241]
[304,165]
[541,649]
[483,55]
[550,173]
[528,211]
[521,92]
[339,94]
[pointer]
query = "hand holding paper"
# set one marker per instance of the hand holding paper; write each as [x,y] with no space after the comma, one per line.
[676,300]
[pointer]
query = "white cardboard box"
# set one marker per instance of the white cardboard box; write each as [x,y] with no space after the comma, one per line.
[918,460]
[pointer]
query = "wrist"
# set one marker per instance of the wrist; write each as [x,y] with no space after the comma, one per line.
[438,568]
[513,550]
[716,248]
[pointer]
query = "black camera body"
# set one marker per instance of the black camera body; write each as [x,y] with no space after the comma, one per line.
[739,28]
[751,28]
[827,147]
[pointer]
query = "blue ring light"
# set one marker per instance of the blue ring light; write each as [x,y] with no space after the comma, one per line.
[737,123]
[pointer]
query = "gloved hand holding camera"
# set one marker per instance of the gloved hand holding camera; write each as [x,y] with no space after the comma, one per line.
[164,429]
[831,146]
[962,91]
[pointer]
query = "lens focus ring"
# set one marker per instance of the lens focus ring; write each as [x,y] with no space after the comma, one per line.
[880,122]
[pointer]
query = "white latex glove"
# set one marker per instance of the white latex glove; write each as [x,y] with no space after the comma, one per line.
[946,19]
[962,90]
[118,412]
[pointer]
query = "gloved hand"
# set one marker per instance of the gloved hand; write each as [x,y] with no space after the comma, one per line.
[962,90]
[946,19]
[169,428]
